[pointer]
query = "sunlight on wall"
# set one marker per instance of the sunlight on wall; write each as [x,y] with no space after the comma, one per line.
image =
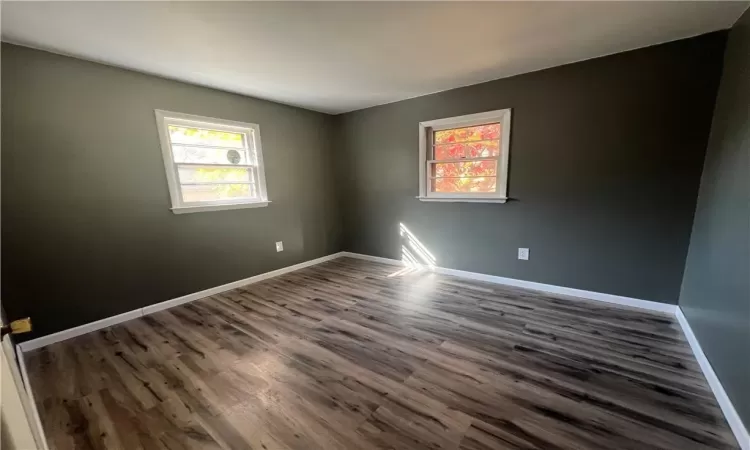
[414,254]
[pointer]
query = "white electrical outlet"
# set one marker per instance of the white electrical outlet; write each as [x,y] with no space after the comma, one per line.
[279,246]
[523,253]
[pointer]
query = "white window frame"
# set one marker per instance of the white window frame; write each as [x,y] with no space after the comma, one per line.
[426,131]
[251,131]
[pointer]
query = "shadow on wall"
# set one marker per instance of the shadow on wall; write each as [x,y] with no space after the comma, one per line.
[414,254]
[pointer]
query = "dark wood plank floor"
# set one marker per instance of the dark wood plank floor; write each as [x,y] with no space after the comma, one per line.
[346,355]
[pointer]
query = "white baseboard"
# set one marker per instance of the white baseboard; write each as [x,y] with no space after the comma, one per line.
[234,285]
[561,290]
[63,335]
[734,420]
[140,312]
[30,392]
[393,262]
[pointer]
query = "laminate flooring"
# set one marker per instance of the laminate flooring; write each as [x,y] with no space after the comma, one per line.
[352,354]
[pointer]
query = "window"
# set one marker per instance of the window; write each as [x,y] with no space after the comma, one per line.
[465,159]
[211,164]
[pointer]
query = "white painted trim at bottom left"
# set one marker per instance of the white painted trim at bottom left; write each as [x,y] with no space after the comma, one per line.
[140,312]
[63,335]
[34,411]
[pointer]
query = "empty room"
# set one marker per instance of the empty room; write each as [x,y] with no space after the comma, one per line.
[375,225]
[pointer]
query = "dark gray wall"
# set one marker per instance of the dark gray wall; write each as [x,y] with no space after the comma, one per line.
[87,231]
[715,296]
[606,158]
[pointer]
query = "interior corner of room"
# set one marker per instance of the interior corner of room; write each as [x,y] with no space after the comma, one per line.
[531,245]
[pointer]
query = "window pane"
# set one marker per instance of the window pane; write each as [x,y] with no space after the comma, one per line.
[213,174]
[450,151]
[216,192]
[471,150]
[201,155]
[478,133]
[201,136]
[464,169]
[481,184]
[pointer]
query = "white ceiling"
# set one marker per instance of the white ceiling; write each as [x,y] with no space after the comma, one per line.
[342,56]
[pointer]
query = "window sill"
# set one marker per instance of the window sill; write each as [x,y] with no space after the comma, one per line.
[192,209]
[464,200]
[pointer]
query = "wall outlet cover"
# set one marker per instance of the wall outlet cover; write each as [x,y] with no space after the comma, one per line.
[280,246]
[523,253]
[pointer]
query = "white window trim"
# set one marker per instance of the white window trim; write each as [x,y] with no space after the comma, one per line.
[165,118]
[425,137]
